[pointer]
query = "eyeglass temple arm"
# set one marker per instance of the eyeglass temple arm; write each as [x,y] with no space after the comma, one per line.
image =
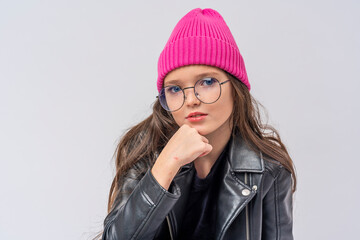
[224,82]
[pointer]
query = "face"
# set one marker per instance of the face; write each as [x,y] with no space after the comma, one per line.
[215,116]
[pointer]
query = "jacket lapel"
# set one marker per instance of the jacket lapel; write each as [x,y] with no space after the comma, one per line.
[234,194]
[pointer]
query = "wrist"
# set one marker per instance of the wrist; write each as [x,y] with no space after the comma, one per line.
[164,171]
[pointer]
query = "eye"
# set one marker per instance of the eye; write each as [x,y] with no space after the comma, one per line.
[206,82]
[173,89]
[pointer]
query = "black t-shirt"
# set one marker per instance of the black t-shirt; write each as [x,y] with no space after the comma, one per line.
[200,217]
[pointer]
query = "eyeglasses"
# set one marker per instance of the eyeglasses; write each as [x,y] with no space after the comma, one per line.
[207,90]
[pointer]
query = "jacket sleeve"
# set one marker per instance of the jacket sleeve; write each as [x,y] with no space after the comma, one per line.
[139,214]
[278,209]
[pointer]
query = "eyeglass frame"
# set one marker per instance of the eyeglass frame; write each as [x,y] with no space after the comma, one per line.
[182,89]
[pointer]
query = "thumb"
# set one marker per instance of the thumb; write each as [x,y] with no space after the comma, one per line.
[208,148]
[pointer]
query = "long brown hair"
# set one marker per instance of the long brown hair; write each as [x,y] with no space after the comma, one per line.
[142,141]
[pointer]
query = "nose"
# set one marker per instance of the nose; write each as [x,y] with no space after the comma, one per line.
[190,98]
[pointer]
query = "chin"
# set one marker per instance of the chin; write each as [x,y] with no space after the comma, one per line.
[202,130]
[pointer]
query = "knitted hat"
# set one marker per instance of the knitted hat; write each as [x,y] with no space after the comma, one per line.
[201,37]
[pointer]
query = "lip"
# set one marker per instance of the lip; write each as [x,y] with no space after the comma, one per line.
[191,117]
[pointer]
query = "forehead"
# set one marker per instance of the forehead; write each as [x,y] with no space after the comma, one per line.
[192,73]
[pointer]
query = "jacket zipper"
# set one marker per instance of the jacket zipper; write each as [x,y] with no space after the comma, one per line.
[171,234]
[247,215]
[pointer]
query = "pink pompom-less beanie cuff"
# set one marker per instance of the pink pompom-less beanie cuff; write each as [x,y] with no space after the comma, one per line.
[202,37]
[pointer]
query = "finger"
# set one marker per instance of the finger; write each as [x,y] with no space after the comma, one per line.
[204,139]
[208,148]
[185,125]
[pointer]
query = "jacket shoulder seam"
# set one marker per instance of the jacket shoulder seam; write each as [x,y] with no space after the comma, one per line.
[273,167]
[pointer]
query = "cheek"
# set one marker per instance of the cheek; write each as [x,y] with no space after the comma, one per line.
[225,107]
[223,114]
[178,118]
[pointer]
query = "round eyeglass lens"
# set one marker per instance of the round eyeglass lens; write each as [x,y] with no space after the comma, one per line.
[208,90]
[171,98]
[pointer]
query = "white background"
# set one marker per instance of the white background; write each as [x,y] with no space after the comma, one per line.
[74,75]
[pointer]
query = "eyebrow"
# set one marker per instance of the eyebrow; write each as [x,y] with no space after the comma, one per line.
[176,81]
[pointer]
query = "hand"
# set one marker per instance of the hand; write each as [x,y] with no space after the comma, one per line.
[183,147]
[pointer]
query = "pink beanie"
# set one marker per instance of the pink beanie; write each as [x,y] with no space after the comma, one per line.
[202,37]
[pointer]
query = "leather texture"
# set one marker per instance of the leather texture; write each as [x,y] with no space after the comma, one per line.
[254,201]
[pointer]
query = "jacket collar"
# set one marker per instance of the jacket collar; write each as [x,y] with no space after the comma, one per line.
[242,158]
[234,193]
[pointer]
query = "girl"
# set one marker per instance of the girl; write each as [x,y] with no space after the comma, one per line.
[201,165]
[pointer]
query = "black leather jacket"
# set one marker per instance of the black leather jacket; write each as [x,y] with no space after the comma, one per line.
[254,201]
